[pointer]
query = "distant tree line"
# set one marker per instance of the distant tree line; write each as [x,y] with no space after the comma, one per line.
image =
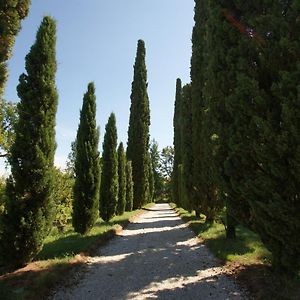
[236,126]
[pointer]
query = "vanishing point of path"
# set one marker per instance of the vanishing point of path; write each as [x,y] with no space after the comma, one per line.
[156,257]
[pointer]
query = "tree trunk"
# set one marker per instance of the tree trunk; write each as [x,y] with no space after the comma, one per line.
[230,228]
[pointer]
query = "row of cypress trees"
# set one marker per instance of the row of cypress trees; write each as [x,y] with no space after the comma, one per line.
[108,184]
[244,118]
[101,184]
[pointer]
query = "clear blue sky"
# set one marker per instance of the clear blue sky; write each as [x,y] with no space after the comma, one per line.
[96,41]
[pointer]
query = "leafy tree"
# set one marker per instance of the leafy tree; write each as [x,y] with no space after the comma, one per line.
[122,179]
[30,188]
[63,199]
[166,161]
[138,131]
[177,142]
[129,187]
[151,180]
[166,168]
[70,164]
[8,120]
[109,178]
[157,176]
[12,12]
[87,166]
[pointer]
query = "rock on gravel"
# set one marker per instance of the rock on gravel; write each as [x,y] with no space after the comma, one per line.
[156,257]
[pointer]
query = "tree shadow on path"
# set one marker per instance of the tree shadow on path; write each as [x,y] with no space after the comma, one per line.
[155,257]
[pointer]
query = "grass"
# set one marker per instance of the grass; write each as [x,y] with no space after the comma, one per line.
[62,252]
[246,249]
[245,257]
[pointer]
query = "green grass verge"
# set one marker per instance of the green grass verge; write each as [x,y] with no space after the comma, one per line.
[246,249]
[59,256]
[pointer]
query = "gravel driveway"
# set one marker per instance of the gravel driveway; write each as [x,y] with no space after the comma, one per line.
[156,257]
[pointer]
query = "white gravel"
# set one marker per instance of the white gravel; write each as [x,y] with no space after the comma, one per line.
[156,257]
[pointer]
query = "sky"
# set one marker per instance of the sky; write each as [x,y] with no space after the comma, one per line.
[96,41]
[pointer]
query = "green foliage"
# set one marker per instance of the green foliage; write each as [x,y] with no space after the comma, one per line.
[177,142]
[12,12]
[30,188]
[70,164]
[122,180]
[87,166]
[63,198]
[138,131]
[166,162]
[2,205]
[151,180]
[129,187]
[8,120]
[109,177]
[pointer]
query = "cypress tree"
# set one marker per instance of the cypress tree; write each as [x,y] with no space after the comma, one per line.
[204,187]
[138,130]
[87,166]
[30,188]
[129,186]
[265,141]
[122,179]
[186,148]
[12,12]
[177,143]
[109,178]
[221,68]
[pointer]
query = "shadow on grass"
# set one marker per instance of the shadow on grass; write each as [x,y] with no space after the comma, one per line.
[72,243]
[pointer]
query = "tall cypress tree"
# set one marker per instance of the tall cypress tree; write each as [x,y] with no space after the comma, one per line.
[109,177]
[264,145]
[30,188]
[12,12]
[177,143]
[138,131]
[222,44]
[87,166]
[122,179]
[186,148]
[204,188]
[129,186]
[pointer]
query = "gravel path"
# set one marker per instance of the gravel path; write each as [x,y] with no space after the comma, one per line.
[156,257]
